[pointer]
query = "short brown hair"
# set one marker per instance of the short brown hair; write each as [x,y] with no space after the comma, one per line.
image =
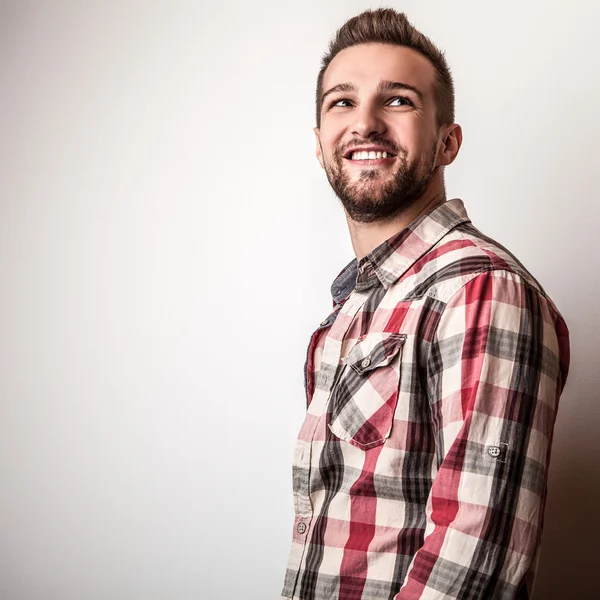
[387,26]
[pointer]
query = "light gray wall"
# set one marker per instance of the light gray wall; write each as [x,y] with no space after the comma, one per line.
[167,241]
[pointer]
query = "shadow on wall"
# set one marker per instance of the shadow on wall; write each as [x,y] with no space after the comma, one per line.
[570,558]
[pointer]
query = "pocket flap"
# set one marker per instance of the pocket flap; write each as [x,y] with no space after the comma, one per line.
[379,351]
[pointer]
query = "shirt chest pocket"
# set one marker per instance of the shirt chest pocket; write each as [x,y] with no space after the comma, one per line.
[364,398]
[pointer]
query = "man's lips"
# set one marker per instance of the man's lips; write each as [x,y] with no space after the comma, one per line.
[375,161]
[350,152]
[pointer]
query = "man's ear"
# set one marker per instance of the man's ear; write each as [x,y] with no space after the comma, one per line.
[319,150]
[451,144]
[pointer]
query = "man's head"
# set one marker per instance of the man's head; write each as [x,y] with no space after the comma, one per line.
[384,87]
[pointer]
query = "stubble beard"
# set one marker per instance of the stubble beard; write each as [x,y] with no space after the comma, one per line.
[370,203]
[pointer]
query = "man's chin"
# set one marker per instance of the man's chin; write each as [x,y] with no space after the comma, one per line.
[367,192]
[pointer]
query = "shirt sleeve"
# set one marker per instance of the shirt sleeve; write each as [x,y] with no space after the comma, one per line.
[497,365]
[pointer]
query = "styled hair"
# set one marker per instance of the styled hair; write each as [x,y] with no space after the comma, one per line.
[387,26]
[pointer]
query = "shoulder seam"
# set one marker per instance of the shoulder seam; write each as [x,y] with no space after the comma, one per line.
[493,269]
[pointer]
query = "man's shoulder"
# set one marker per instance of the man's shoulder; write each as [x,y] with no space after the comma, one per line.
[461,255]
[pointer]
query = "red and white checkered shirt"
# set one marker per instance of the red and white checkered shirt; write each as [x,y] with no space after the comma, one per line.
[420,470]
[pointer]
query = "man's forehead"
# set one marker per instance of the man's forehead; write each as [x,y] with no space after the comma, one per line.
[367,64]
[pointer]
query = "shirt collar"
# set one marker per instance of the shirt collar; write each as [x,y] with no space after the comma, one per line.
[392,258]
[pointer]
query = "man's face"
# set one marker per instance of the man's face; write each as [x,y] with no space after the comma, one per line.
[378,99]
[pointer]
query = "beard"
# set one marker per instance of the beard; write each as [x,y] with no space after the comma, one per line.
[375,195]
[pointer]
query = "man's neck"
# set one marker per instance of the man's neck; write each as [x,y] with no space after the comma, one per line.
[367,236]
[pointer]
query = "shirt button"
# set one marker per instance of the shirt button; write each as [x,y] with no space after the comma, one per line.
[365,363]
[301,528]
[325,322]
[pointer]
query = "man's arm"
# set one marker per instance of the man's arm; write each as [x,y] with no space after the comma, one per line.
[496,368]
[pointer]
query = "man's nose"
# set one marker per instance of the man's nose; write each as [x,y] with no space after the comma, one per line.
[368,122]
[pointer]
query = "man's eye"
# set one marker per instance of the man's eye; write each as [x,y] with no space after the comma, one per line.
[400,101]
[342,102]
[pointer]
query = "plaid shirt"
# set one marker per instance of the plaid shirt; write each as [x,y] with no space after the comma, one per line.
[420,470]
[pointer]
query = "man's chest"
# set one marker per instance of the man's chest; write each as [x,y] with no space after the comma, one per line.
[365,367]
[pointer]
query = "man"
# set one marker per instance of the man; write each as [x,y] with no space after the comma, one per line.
[421,467]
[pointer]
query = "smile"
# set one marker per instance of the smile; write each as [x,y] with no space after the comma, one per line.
[364,155]
[370,156]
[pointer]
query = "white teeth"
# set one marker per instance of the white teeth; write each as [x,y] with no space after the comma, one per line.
[365,155]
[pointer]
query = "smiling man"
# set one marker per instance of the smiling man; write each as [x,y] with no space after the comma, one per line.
[420,471]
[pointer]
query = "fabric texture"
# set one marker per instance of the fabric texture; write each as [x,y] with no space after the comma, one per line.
[420,470]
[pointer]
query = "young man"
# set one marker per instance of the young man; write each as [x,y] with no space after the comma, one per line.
[420,470]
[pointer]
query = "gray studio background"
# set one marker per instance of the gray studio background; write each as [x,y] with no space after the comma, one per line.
[167,241]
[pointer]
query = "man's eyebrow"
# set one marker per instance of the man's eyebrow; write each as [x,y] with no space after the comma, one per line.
[340,87]
[385,85]
[391,86]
